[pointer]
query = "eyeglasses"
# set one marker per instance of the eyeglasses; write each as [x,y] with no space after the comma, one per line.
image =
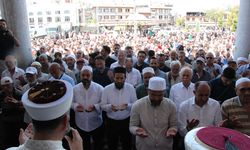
[243,90]
[209,57]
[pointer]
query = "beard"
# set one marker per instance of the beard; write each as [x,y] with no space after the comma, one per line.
[155,103]
[119,85]
[86,82]
[32,83]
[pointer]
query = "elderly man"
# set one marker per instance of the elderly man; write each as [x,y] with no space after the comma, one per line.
[117,99]
[88,114]
[142,89]
[57,73]
[12,112]
[12,71]
[236,111]
[41,77]
[212,68]
[183,90]
[121,60]
[31,76]
[198,111]
[133,76]
[50,124]
[43,59]
[153,118]
[173,76]
[173,57]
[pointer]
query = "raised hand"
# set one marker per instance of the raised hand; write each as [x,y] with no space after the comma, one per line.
[192,124]
[141,132]
[171,132]
[26,134]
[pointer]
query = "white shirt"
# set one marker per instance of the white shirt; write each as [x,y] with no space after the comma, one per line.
[116,64]
[39,145]
[43,77]
[133,77]
[88,121]
[18,72]
[179,93]
[113,96]
[65,78]
[208,114]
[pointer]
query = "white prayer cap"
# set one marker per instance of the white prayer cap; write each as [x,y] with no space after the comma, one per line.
[31,70]
[36,63]
[241,80]
[51,110]
[6,80]
[71,56]
[242,59]
[87,68]
[157,84]
[148,70]
[201,59]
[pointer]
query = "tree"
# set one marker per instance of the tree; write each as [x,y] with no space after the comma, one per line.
[232,19]
[180,21]
[217,16]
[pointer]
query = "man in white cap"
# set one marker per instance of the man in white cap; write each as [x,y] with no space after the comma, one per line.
[41,76]
[31,76]
[88,114]
[71,63]
[153,118]
[50,123]
[236,111]
[243,68]
[142,89]
[242,61]
[12,112]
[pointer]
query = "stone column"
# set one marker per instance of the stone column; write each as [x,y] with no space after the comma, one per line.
[243,30]
[15,13]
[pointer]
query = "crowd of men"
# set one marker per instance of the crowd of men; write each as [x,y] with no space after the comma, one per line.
[134,92]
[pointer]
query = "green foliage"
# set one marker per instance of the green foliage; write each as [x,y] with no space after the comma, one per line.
[232,19]
[180,21]
[217,16]
[224,18]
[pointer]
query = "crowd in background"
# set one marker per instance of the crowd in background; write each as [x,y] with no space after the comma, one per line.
[182,59]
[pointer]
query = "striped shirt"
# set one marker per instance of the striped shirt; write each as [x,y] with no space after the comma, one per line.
[233,107]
